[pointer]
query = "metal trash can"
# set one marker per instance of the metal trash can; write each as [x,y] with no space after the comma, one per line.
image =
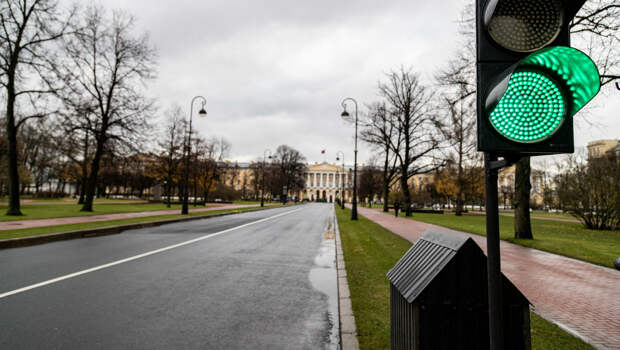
[438,298]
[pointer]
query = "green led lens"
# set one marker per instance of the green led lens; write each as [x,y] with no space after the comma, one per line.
[574,68]
[531,110]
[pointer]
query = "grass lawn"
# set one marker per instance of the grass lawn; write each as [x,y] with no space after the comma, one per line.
[565,238]
[72,227]
[47,211]
[542,214]
[369,252]
[252,202]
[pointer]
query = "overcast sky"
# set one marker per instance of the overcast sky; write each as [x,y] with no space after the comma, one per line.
[275,72]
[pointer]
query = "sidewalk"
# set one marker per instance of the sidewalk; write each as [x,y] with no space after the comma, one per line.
[582,298]
[19,224]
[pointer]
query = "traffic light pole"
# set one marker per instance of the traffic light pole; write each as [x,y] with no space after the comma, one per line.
[494,270]
[494,276]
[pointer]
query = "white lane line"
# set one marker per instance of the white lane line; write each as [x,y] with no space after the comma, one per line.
[118,262]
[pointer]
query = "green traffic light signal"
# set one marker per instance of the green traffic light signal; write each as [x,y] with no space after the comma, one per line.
[544,89]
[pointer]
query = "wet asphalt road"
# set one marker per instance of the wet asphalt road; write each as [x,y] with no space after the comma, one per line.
[270,284]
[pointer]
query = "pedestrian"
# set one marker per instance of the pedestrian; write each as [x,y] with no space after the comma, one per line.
[396,207]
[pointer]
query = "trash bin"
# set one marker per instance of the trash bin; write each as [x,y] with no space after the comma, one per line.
[438,298]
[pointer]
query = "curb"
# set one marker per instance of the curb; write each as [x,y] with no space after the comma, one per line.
[104,231]
[348,332]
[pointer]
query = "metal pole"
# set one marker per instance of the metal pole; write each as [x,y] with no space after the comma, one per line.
[262,186]
[341,180]
[346,114]
[494,277]
[188,145]
[184,209]
[262,189]
[354,211]
[342,183]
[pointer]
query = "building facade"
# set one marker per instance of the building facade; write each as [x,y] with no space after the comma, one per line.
[599,147]
[323,181]
[327,182]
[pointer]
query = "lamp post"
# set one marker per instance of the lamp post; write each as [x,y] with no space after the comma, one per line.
[262,186]
[188,145]
[341,178]
[345,115]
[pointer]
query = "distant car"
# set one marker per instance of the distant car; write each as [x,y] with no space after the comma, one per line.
[218,199]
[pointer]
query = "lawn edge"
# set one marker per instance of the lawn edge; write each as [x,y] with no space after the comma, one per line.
[348,331]
[106,230]
[517,243]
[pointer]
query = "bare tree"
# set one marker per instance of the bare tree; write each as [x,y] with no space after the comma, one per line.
[104,74]
[370,182]
[27,29]
[408,99]
[210,165]
[379,131]
[291,165]
[591,191]
[458,129]
[171,144]
[597,25]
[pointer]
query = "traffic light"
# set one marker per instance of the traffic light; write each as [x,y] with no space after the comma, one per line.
[530,81]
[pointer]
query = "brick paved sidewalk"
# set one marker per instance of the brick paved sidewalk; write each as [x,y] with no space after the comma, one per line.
[582,298]
[19,224]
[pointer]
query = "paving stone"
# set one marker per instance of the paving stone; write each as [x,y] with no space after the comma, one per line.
[347,324]
[349,342]
[345,307]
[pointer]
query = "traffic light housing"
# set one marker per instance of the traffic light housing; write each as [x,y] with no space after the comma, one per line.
[530,81]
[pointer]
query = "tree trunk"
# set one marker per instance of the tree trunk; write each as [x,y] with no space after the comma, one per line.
[386,185]
[405,188]
[91,185]
[523,227]
[461,190]
[11,132]
[168,190]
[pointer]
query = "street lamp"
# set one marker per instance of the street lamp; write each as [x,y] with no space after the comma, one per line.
[341,178]
[188,145]
[345,115]
[262,187]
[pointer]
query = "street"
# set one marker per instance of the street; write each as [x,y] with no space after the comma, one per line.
[259,280]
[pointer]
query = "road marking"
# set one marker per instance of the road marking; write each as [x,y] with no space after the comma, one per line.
[118,262]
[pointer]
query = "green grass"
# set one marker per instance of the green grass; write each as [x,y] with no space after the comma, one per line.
[565,238]
[48,211]
[249,202]
[82,226]
[546,335]
[369,252]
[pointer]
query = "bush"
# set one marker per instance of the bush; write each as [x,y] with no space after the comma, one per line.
[591,192]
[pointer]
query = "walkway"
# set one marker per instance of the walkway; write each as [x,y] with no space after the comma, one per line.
[582,298]
[19,224]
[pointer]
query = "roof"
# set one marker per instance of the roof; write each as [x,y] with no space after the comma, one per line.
[324,167]
[424,261]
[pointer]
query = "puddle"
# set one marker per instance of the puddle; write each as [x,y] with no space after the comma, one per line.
[323,278]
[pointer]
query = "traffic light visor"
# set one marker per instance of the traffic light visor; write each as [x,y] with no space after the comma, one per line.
[545,88]
[524,25]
